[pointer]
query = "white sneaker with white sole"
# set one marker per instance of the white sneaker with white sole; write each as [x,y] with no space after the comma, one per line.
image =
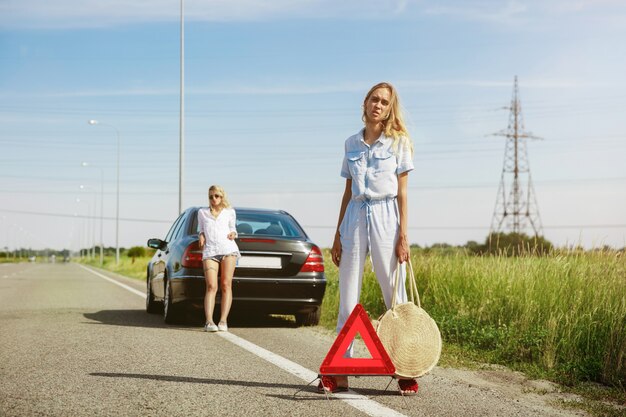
[210,327]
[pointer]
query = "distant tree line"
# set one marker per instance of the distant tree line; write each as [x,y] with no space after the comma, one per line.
[505,244]
[25,253]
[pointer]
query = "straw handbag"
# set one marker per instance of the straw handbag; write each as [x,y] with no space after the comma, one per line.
[410,336]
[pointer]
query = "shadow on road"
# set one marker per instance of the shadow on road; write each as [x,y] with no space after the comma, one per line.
[255,320]
[191,380]
[132,318]
[139,318]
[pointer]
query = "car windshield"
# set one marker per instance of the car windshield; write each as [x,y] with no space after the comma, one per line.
[261,223]
[272,224]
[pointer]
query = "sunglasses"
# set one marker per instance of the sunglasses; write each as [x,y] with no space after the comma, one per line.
[214,196]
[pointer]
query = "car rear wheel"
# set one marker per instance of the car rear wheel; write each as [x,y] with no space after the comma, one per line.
[309,319]
[152,306]
[170,310]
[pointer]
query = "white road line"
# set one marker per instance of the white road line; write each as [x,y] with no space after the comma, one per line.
[358,401]
[131,289]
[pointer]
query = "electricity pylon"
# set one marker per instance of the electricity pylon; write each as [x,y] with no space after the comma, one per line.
[516,205]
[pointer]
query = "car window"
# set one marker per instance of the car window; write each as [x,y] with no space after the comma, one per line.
[270,224]
[168,237]
[178,232]
[194,224]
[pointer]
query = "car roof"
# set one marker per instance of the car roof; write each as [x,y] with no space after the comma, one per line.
[250,210]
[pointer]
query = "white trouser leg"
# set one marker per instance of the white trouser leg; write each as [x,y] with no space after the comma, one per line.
[383,238]
[353,231]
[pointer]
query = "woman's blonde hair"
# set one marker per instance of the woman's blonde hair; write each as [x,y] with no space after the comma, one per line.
[219,190]
[393,126]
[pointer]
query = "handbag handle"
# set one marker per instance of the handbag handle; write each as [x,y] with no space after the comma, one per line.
[413,293]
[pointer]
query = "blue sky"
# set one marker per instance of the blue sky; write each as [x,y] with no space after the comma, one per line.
[273,89]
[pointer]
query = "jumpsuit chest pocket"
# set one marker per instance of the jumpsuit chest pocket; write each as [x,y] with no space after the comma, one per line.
[383,160]
[357,163]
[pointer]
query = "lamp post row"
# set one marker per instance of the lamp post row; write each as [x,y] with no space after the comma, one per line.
[117,203]
[86,164]
[87,237]
[181,143]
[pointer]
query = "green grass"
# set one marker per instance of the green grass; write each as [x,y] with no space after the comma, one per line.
[11,259]
[127,267]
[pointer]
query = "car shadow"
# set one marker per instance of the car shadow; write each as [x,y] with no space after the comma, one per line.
[254,320]
[194,319]
[132,318]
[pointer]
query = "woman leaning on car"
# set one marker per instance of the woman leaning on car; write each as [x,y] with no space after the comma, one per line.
[217,233]
[373,213]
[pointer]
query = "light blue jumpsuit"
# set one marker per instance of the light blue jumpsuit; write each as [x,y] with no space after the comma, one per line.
[371,221]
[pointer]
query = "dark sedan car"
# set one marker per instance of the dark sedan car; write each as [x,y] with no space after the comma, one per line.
[280,271]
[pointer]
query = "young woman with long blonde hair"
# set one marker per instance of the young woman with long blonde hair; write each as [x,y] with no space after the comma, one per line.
[217,233]
[373,212]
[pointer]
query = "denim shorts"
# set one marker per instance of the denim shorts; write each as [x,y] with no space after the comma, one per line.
[219,258]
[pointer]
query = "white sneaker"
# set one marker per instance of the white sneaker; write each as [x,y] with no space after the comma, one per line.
[210,327]
[222,327]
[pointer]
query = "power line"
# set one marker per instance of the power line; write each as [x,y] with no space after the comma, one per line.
[128,219]
[308,191]
[80,216]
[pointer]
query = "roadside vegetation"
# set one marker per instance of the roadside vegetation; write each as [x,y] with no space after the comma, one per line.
[133,262]
[564,313]
[558,315]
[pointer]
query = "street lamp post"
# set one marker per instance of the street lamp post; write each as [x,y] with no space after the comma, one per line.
[181,156]
[117,204]
[86,164]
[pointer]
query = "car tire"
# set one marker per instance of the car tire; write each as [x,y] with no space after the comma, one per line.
[170,310]
[152,306]
[309,319]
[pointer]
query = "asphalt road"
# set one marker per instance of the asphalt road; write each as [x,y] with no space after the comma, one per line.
[75,343]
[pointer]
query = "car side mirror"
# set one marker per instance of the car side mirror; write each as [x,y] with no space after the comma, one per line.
[157,244]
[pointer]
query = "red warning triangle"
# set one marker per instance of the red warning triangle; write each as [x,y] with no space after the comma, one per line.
[336,364]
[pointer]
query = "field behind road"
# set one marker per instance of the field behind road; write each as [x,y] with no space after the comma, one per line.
[74,343]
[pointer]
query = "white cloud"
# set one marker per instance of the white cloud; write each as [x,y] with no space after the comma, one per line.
[545,83]
[93,13]
[480,10]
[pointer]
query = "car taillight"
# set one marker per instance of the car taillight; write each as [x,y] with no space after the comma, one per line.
[314,262]
[192,258]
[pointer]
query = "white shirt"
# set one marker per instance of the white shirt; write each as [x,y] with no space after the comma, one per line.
[374,169]
[216,232]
